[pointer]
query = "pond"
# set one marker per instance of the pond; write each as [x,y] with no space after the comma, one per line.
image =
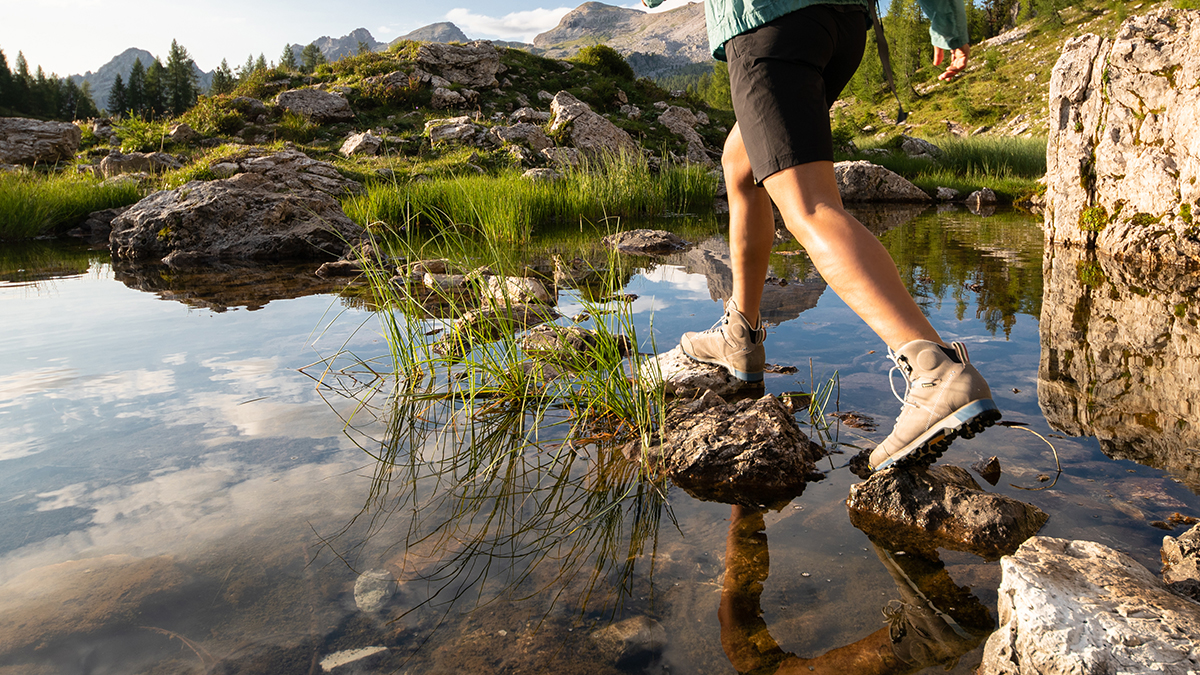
[206,472]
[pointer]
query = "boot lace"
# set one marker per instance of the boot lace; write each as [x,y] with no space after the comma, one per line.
[895,359]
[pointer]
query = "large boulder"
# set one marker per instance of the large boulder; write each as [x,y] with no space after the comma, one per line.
[683,376]
[315,105]
[862,181]
[26,141]
[528,135]
[1123,155]
[941,506]
[247,217]
[1074,607]
[587,130]
[683,122]
[750,452]
[117,163]
[474,64]
[289,168]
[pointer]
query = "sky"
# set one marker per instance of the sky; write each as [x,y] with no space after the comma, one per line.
[70,37]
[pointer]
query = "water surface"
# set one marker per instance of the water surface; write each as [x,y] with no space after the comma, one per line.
[186,487]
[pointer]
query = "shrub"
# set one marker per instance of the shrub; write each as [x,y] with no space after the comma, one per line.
[606,60]
[214,115]
[141,135]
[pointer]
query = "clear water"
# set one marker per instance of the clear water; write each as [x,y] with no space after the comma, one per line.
[183,491]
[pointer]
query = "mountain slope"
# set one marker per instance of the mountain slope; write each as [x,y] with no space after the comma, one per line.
[654,44]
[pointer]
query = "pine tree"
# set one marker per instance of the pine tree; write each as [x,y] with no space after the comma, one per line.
[21,82]
[223,80]
[118,98]
[155,92]
[86,106]
[181,83]
[6,82]
[908,38]
[261,63]
[247,69]
[135,91]
[287,60]
[310,58]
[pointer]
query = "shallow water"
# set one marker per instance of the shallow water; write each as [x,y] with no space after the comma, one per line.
[179,493]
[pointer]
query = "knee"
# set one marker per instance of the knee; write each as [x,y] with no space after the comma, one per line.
[736,166]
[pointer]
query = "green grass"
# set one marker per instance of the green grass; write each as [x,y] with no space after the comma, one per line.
[511,208]
[33,204]
[1010,166]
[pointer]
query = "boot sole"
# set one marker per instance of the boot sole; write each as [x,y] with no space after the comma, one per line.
[739,374]
[965,422]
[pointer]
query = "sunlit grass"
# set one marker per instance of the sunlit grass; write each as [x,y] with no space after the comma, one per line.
[33,204]
[511,208]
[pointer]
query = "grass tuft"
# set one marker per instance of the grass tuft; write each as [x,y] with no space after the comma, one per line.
[32,204]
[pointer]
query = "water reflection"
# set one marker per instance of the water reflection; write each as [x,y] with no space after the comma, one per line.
[1121,359]
[934,621]
[220,286]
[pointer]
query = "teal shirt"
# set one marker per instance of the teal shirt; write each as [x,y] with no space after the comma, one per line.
[727,18]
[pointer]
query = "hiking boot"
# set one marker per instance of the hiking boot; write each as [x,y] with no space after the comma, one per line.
[731,343]
[922,632]
[944,398]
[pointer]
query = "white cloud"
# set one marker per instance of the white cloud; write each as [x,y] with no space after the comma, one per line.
[523,26]
[665,7]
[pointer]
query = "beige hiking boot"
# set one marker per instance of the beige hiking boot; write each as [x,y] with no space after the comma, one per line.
[945,397]
[731,343]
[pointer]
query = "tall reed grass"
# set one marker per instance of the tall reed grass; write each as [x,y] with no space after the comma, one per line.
[33,204]
[1011,166]
[510,208]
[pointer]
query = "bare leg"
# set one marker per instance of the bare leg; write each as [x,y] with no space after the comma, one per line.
[751,227]
[850,259]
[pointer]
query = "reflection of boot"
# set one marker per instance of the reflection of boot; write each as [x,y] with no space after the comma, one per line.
[920,624]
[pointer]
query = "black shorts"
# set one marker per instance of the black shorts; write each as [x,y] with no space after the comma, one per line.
[785,75]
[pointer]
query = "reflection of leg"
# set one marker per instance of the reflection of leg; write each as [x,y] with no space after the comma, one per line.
[747,562]
[935,621]
[751,226]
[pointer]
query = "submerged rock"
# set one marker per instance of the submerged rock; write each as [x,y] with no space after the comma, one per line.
[571,346]
[751,452]
[1069,607]
[941,506]
[632,641]
[489,323]
[646,242]
[373,590]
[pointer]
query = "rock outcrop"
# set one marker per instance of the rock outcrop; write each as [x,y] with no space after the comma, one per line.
[941,506]
[685,378]
[290,168]
[683,122]
[1124,148]
[1070,607]
[523,133]
[26,141]
[750,452]
[1120,359]
[646,242]
[474,64]
[588,131]
[247,217]
[1181,557]
[862,181]
[365,143]
[315,105]
[117,163]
